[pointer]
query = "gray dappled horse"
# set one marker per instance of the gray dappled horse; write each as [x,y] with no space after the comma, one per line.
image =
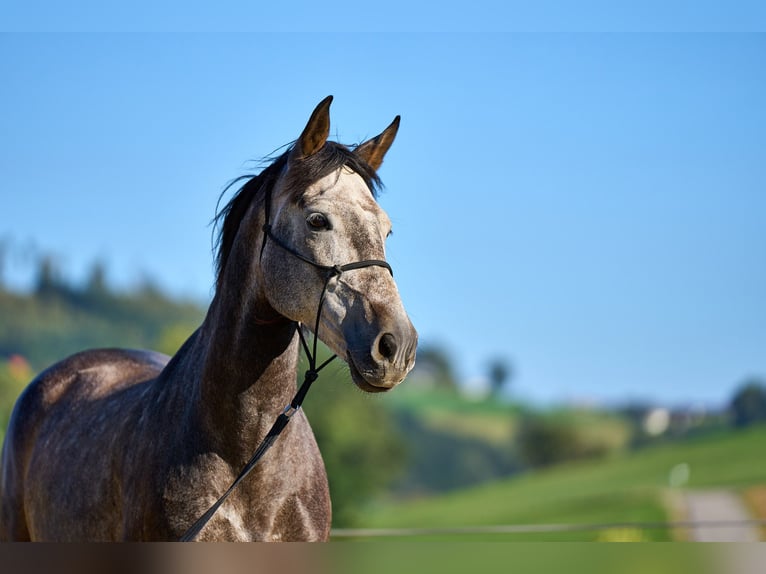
[118,444]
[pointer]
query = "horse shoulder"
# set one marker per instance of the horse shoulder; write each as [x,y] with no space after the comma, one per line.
[304,508]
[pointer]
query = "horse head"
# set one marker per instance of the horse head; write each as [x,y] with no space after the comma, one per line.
[322,256]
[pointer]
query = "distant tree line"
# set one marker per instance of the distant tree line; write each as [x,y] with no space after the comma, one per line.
[59,317]
[748,405]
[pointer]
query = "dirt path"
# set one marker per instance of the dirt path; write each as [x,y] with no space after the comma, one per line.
[719,506]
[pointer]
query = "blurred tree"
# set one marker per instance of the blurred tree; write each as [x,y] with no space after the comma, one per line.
[546,439]
[543,442]
[95,285]
[48,281]
[500,374]
[748,405]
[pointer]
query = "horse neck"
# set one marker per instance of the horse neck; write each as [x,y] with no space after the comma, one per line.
[248,372]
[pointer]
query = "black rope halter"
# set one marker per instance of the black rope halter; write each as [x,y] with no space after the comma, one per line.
[311,374]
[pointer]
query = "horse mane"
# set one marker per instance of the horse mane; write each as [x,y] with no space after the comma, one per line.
[303,173]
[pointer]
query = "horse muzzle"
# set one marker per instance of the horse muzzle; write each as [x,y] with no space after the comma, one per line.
[388,360]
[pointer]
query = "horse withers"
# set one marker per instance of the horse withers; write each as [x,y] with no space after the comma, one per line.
[115,444]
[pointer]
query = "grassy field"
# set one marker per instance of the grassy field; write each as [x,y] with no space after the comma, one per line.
[629,488]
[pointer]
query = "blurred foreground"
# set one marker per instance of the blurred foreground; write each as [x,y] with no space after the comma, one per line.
[378,558]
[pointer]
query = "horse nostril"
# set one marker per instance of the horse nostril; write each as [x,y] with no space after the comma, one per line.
[387,346]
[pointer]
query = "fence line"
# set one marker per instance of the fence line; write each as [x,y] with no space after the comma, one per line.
[540,528]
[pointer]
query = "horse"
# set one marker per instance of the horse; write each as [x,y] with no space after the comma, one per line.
[120,445]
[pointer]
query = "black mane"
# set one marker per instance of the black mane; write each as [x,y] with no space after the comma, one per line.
[303,173]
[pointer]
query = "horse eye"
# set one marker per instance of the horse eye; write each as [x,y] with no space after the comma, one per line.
[317,221]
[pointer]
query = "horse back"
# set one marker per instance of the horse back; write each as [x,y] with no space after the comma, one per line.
[53,406]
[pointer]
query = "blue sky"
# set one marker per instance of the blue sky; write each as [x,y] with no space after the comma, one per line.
[590,206]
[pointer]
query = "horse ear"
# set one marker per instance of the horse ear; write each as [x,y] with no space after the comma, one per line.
[316,131]
[373,150]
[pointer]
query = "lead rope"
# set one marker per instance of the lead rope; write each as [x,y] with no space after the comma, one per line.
[311,374]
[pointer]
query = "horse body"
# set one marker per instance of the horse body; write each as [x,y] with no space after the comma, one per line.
[93,423]
[131,445]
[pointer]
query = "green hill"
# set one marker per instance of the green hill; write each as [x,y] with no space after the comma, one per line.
[55,321]
[628,488]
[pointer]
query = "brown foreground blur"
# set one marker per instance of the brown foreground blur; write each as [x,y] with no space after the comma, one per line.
[376,557]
